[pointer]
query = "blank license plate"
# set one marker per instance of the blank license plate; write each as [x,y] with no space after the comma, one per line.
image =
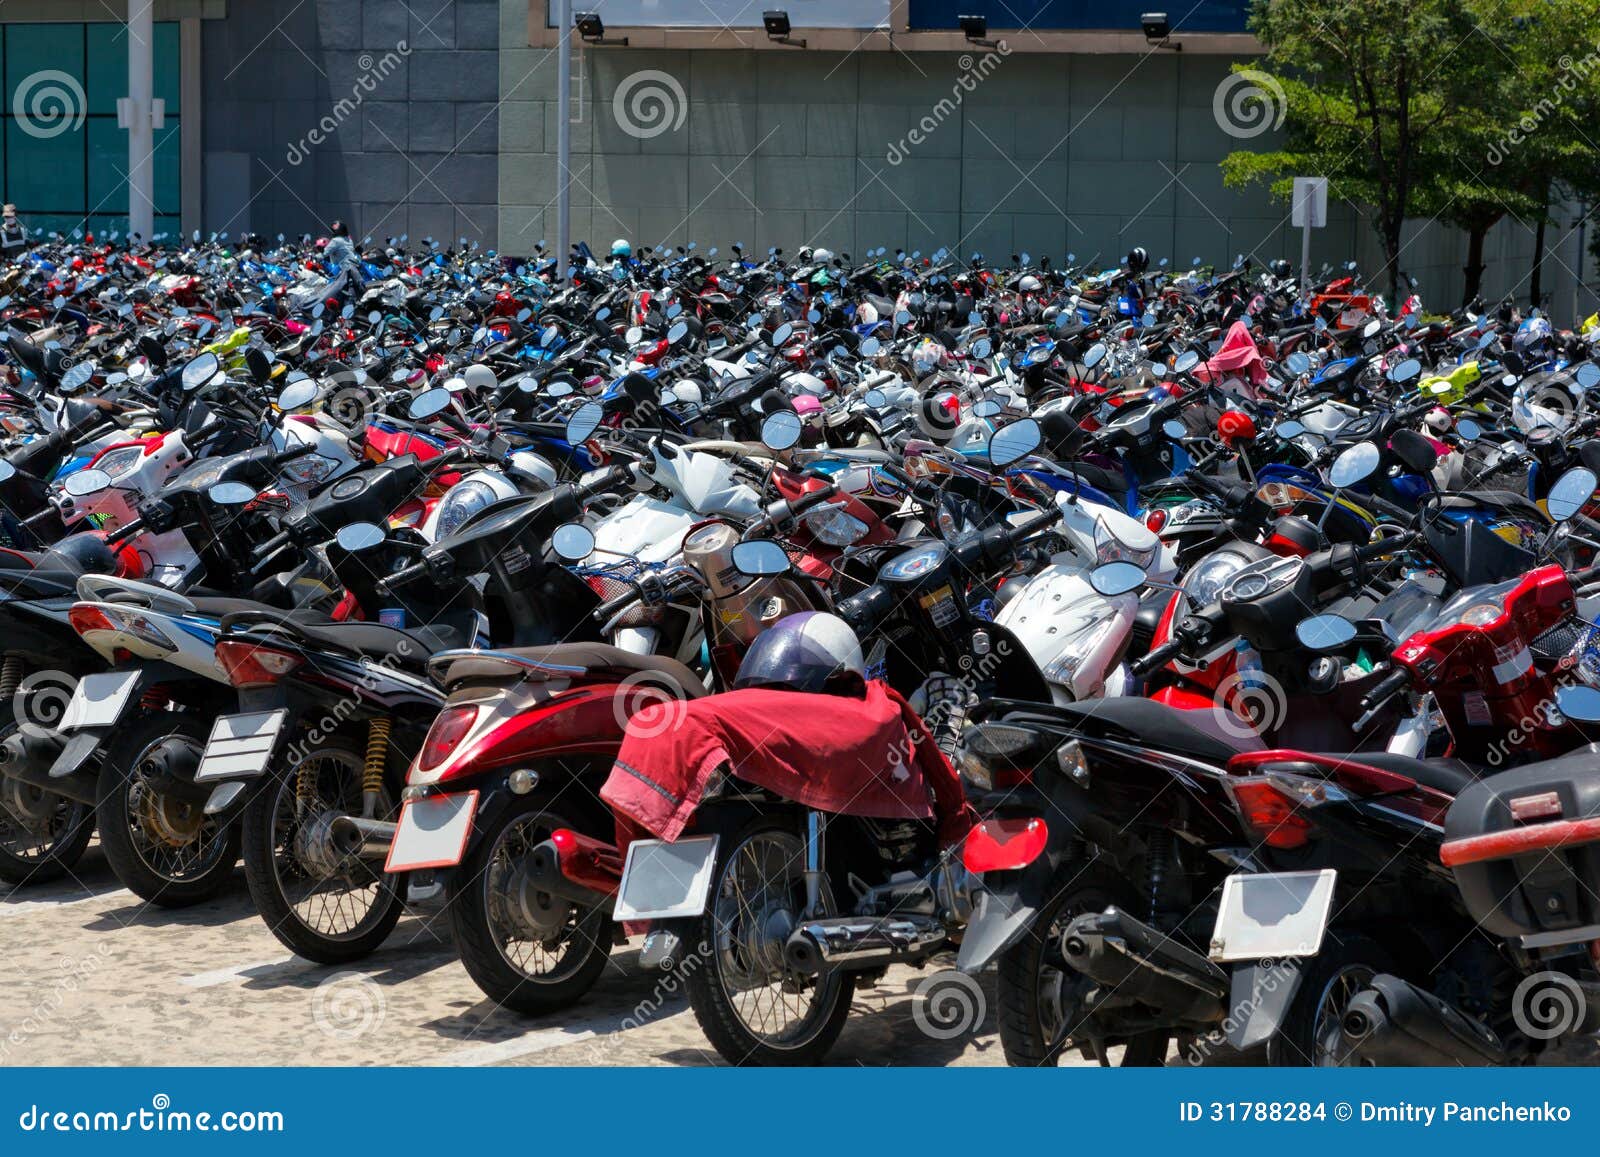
[240,746]
[98,700]
[432,832]
[662,881]
[1268,915]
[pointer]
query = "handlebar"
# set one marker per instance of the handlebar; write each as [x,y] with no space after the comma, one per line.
[1159,657]
[1373,701]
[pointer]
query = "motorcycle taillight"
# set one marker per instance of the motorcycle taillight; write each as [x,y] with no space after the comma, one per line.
[449,728]
[1269,814]
[250,665]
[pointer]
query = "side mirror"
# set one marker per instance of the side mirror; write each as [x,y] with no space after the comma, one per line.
[1185,362]
[199,371]
[1014,442]
[572,542]
[355,537]
[1468,430]
[1116,578]
[428,403]
[760,558]
[1579,703]
[1415,452]
[1175,429]
[86,482]
[1355,464]
[1324,632]
[1405,371]
[1571,493]
[1289,429]
[1094,357]
[780,430]
[582,425]
[231,493]
[297,394]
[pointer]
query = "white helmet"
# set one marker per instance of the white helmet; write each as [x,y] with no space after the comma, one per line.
[479,377]
[866,314]
[1029,284]
[822,256]
[807,384]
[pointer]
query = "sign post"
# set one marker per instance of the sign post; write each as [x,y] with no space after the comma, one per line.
[1310,212]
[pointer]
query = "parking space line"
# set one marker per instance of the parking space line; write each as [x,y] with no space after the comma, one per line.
[241,972]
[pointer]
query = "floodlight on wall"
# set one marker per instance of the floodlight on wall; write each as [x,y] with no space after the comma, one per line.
[975,29]
[1158,31]
[592,29]
[779,28]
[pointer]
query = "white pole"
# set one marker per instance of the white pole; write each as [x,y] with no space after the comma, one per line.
[563,10]
[141,135]
[1305,237]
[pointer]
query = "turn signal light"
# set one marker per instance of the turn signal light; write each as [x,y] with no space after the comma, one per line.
[1269,814]
[448,730]
[249,665]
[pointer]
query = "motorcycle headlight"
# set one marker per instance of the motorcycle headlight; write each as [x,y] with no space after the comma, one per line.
[1204,583]
[1064,667]
[308,471]
[1109,548]
[834,526]
[116,463]
[464,500]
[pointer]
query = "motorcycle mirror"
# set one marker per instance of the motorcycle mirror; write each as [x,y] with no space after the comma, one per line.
[902,318]
[1487,340]
[760,558]
[813,316]
[582,425]
[635,335]
[86,482]
[1415,452]
[1116,578]
[1405,371]
[1324,632]
[1094,357]
[870,347]
[557,389]
[1014,442]
[78,376]
[1468,430]
[1354,464]
[780,430]
[260,364]
[1372,328]
[297,394]
[1297,363]
[524,314]
[1185,362]
[358,536]
[428,403]
[1587,375]
[987,408]
[782,334]
[572,542]
[1571,493]
[7,471]
[1158,370]
[231,494]
[981,348]
[199,371]
[1175,429]
[876,398]
[679,331]
[1409,321]
[1578,703]
[348,311]
[1287,430]
[318,310]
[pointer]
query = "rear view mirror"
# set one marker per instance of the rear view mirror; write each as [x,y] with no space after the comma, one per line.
[231,494]
[1571,493]
[1185,362]
[1353,465]
[1324,632]
[297,394]
[1116,578]
[1014,442]
[428,403]
[1579,703]
[358,536]
[200,370]
[582,425]
[86,482]
[760,558]
[572,542]
[781,430]
[1414,451]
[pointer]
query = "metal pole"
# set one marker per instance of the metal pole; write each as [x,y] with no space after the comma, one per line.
[563,9]
[141,135]
[1305,239]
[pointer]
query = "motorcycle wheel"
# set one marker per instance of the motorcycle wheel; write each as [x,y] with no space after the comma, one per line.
[164,849]
[1036,988]
[42,834]
[329,918]
[535,954]
[752,1008]
[1310,1028]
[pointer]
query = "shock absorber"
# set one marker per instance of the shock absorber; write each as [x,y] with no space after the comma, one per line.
[10,675]
[372,770]
[1158,853]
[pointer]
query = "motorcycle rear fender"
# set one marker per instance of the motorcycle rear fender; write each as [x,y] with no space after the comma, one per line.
[1006,908]
[1259,1000]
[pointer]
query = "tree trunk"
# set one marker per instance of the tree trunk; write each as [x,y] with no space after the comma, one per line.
[1535,286]
[1474,267]
[1391,257]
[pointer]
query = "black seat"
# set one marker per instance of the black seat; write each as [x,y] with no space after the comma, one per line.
[1450,776]
[414,645]
[596,660]
[1197,734]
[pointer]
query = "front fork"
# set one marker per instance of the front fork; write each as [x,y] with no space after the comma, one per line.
[816,846]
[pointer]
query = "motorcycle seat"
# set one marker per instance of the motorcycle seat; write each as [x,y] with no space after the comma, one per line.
[1450,776]
[413,646]
[595,660]
[1197,734]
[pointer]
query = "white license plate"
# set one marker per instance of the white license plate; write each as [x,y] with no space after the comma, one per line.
[98,700]
[1269,915]
[662,881]
[432,832]
[240,746]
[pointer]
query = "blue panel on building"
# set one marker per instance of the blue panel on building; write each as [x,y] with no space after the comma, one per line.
[1048,15]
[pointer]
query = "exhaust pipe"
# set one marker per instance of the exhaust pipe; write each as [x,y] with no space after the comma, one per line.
[540,871]
[29,758]
[1135,961]
[851,943]
[1393,1022]
[362,838]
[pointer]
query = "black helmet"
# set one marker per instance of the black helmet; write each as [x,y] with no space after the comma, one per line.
[81,553]
[810,651]
[1138,259]
[1281,267]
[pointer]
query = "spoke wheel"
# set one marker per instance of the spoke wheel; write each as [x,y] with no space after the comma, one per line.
[42,834]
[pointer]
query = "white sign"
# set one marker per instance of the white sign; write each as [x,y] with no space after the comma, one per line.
[1310,202]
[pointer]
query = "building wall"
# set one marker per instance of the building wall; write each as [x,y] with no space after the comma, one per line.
[1048,153]
[403,97]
